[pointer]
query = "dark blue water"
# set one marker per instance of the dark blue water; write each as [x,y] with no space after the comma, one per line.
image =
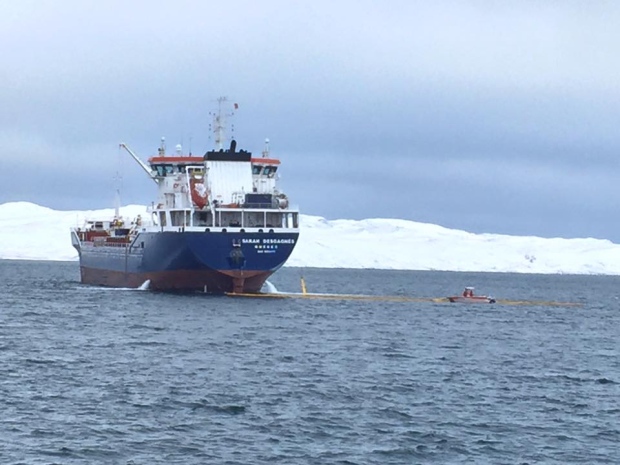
[90,375]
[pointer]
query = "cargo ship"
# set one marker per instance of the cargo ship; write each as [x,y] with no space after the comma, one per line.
[219,225]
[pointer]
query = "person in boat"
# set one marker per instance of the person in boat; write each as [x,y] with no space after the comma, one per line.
[468,292]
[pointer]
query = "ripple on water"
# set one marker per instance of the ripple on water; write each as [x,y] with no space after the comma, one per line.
[154,378]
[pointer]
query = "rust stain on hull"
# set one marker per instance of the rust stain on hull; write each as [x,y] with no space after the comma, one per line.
[218,282]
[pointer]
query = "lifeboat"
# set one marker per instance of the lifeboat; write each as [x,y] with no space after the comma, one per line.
[199,192]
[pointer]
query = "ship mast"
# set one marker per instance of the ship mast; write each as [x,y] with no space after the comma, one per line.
[220,123]
[266,149]
[117,196]
[118,183]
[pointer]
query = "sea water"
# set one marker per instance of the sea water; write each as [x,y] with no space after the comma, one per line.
[91,375]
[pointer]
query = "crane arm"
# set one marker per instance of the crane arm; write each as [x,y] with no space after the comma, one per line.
[144,166]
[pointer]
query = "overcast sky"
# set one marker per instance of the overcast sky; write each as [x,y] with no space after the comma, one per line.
[479,115]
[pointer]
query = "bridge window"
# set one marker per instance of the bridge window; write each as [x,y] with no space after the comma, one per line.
[270,171]
[164,170]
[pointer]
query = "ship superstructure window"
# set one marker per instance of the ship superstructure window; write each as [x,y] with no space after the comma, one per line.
[270,171]
[164,170]
[202,218]
[256,169]
[175,219]
[179,218]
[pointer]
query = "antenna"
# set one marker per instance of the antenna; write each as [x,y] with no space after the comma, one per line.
[117,204]
[266,149]
[118,181]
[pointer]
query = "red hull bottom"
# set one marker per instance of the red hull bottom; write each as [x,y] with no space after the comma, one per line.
[472,300]
[214,282]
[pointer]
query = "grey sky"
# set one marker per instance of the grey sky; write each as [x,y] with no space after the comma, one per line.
[485,116]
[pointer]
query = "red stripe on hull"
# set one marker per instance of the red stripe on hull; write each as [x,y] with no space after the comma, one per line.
[212,281]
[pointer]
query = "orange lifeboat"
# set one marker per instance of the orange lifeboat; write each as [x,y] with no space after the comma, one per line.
[199,192]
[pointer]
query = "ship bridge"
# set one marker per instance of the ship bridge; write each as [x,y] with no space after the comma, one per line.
[222,190]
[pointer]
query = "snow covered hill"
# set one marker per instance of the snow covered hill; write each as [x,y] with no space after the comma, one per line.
[33,232]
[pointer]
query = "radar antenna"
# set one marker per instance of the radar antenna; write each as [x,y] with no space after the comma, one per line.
[266,149]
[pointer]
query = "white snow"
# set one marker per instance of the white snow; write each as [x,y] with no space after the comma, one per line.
[33,232]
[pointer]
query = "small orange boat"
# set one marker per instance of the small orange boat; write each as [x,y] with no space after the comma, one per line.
[468,297]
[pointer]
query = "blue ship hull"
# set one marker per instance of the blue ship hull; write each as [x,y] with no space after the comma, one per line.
[215,262]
